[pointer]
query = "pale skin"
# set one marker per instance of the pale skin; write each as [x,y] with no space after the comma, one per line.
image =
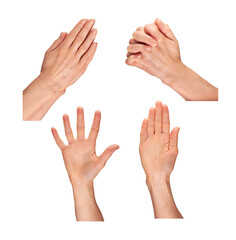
[83,164]
[64,63]
[158,152]
[155,49]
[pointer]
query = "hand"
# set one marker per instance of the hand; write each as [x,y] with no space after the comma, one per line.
[158,152]
[69,56]
[155,49]
[81,161]
[158,148]
[64,62]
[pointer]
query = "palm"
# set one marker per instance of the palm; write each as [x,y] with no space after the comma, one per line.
[157,148]
[81,161]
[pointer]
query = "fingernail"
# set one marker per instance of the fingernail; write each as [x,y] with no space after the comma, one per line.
[91,21]
[61,35]
[83,21]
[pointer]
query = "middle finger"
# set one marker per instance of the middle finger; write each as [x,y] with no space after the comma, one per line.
[82,35]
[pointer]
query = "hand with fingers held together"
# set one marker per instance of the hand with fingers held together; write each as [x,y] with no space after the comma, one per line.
[69,56]
[158,147]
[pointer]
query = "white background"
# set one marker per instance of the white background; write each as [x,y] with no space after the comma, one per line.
[35,194]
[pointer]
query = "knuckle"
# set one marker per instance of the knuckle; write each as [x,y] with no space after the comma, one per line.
[131,41]
[145,48]
[87,27]
[60,48]
[128,61]
[129,48]
[135,34]
[133,61]
[69,132]
[159,39]
[73,34]
[82,35]
[60,51]
[85,58]
[147,27]
[83,48]
[79,39]
[139,28]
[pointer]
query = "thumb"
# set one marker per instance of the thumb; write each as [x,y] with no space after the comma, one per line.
[174,138]
[58,41]
[165,29]
[107,154]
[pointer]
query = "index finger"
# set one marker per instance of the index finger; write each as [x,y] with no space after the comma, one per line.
[95,126]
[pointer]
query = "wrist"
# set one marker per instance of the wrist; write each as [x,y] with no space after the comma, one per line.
[82,185]
[158,183]
[86,208]
[84,194]
[175,75]
[45,81]
[191,86]
[158,179]
[162,198]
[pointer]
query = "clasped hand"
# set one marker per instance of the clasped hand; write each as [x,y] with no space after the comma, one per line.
[155,49]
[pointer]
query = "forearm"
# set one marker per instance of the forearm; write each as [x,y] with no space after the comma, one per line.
[162,198]
[38,97]
[86,208]
[191,86]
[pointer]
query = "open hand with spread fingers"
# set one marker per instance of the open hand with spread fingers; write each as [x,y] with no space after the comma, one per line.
[155,49]
[158,151]
[83,164]
[64,63]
